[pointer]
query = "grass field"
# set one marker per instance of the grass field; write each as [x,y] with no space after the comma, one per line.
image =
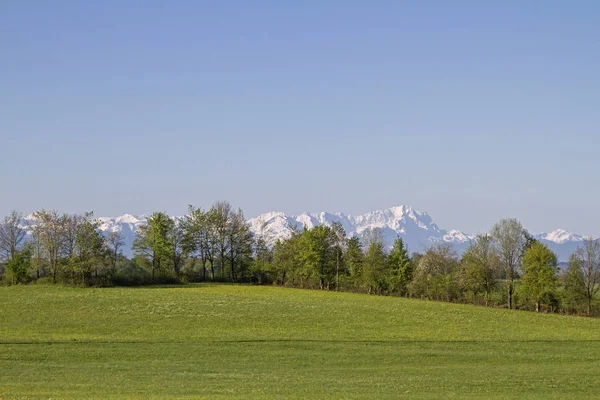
[226,341]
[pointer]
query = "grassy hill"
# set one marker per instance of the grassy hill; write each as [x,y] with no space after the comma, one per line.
[228,341]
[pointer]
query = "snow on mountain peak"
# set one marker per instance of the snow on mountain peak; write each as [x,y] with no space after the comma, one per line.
[560,236]
[416,228]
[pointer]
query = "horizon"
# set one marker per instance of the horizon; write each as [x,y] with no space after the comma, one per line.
[142,216]
[471,112]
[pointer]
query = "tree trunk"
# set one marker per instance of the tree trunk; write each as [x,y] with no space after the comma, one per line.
[509,294]
[337,272]
[537,306]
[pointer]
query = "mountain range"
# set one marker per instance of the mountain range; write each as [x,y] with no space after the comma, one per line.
[415,227]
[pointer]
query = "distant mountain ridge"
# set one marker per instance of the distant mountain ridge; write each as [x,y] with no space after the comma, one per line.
[416,228]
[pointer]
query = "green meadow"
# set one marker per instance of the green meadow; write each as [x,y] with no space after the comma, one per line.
[236,341]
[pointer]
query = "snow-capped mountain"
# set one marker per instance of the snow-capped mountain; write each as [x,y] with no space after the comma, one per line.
[127,224]
[416,228]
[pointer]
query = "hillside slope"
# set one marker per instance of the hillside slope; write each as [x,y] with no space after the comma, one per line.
[228,341]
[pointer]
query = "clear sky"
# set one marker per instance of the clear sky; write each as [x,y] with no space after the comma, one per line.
[469,110]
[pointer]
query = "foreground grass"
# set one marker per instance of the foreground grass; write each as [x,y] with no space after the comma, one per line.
[226,341]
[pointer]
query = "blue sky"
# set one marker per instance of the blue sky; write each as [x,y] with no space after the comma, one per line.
[469,110]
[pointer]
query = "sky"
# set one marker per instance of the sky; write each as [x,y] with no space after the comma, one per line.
[472,111]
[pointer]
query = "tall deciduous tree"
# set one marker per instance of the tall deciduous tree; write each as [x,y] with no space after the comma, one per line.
[240,244]
[435,274]
[339,240]
[575,293]
[588,260]
[18,266]
[114,243]
[177,244]
[12,235]
[89,254]
[510,241]
[50,229]
[479,267]
[198,238]
[152,242]
[374,266]
[219,216]
[539,272]
[317,253]
[354,258]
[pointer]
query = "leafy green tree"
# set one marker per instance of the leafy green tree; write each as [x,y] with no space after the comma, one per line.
[539,278]
[18,266]
[152,242]
[574,284]
[317,254]
[354,258]
[435,274]
[479,267]
[90,254]
[529,241]
[240,245]
[285,266]
[400,267]
[509,239]
[200,239]
[374,267]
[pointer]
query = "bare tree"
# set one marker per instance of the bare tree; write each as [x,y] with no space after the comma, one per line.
[197,239]
[50,229]
[240,244]
[509,239]
[588,258]
[71,229]
[114,241]
[176,236]
[12,234]
[340,242]
[220,217]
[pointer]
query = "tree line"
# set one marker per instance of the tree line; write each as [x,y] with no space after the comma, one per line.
[506,267]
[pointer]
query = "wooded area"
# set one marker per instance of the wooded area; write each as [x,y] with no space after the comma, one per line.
[505,268]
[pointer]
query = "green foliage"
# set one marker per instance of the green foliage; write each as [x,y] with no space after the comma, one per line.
[574,293]
[400,268]
[539,279]
[17,268]
[317,254]
[374,277]
[354,258]
[217,244]
[479,267]
[510,240]
[436,274]
[154,245]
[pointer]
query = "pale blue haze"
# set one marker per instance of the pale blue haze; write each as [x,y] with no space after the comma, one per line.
[469,110]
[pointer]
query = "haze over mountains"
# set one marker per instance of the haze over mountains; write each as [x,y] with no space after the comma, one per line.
[416,228]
